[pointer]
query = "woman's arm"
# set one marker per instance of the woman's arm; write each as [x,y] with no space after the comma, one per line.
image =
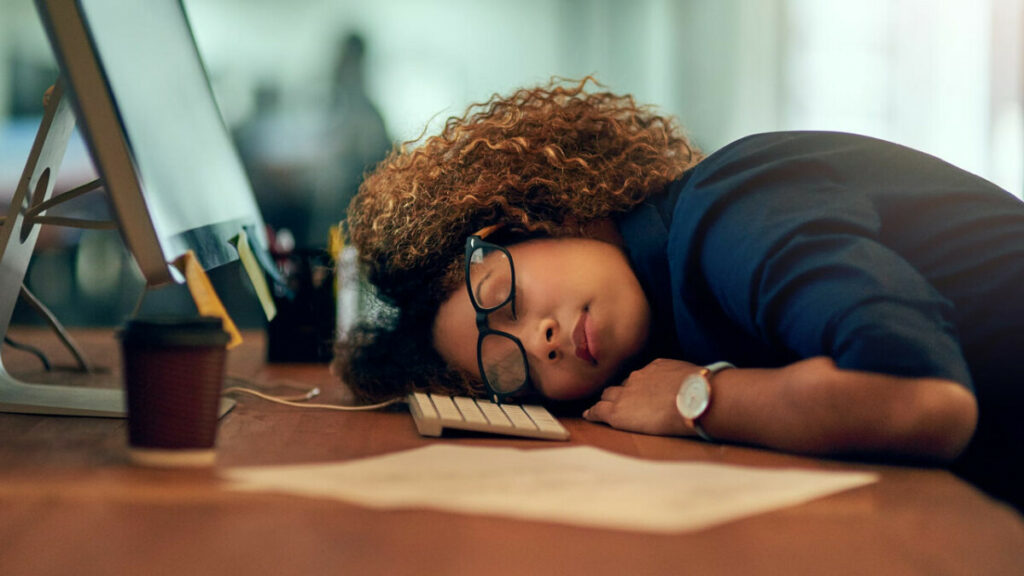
[809,407]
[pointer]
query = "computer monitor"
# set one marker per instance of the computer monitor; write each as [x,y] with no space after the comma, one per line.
[154,130]
[175,182]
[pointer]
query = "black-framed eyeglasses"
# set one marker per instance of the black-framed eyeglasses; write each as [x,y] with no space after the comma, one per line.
[491,283]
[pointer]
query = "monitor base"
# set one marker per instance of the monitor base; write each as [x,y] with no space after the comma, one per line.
[55,400]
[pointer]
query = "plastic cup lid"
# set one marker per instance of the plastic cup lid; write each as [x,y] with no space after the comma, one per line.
[175,331]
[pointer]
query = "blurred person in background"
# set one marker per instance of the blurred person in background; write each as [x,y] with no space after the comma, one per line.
[356,140]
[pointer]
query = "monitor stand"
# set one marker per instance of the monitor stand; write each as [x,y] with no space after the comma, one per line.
[18,237]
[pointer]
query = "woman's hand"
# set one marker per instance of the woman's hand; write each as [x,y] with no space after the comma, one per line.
[646,400]
[809,407]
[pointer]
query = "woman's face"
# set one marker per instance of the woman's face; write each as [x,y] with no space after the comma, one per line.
[581,315]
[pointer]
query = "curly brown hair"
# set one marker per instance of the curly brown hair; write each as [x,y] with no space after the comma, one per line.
[547,160]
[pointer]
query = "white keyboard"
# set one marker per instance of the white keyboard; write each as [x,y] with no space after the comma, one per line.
[433,413]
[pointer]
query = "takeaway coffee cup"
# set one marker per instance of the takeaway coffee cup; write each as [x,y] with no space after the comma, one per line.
[173,374]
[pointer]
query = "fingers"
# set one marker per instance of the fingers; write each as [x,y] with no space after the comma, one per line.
[611,393]
[598,412]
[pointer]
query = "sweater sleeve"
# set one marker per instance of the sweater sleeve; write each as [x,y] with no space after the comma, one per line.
[791,252]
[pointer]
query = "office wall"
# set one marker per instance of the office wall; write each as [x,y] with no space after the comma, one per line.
[941,75]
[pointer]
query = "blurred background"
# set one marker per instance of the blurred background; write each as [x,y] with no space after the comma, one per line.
[316,91]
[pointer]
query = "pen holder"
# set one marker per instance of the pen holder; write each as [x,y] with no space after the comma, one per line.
[304,328]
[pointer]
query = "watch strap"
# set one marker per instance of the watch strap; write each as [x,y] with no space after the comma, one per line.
[700,432]
[707,372]
[717,367]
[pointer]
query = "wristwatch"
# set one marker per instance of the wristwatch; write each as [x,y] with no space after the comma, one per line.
[694,396]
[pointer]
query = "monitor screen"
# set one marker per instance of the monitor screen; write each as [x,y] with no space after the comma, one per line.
[156,135]
[173,177]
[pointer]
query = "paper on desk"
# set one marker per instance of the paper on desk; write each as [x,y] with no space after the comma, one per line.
[577,485]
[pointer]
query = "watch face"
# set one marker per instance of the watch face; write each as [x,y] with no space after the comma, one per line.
[693,396]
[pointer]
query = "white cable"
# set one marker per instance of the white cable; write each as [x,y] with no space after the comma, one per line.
[313,392]
[56,326]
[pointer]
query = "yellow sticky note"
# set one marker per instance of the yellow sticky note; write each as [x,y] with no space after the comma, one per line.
[335,243]
[203,294]
[255,274]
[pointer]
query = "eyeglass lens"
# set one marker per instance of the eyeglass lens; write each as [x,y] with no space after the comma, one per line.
[490,277]
[503,363]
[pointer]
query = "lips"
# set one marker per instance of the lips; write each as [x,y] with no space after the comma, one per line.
[582,339]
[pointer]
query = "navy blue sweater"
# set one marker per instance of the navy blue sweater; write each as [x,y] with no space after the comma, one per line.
[785,246]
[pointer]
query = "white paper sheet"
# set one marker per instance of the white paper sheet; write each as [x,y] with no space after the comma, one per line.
[576,485]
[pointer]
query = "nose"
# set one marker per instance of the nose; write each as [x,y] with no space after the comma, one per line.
[547,342]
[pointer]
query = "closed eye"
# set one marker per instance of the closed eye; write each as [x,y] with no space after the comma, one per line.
[478,291]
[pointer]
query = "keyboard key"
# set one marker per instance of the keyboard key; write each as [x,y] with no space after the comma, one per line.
[544,420]
[446,408]
[428,421]
[470,411]
[424,404]
[538,413]
[494,414]
[518,418]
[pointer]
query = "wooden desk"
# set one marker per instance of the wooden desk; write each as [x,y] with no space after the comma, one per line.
[71,504]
